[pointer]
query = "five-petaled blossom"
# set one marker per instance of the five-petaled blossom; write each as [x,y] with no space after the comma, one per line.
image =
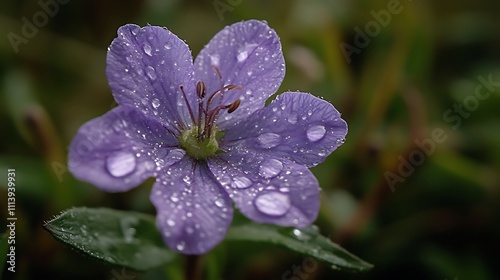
[203,131]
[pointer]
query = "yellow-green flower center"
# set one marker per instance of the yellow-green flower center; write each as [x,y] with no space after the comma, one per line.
[197,147]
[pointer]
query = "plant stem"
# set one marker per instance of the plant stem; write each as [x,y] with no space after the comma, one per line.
[193,267]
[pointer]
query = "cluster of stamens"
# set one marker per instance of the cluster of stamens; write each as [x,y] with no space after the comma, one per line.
[199,140]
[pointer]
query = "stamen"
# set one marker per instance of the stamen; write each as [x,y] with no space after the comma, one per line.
[187,103]
[201,89]
[234,106]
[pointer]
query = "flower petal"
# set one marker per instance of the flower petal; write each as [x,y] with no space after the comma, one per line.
[146,67]
[247,54]
[296,126]
[193,211]
[267,189]
[120,149]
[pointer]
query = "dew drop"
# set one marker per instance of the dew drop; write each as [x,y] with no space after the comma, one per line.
[151,72]
[170,223]
[269,140]
[241,182]
[147,49]
[273,203]
[214,60]
[168,46]
[187,180]
[316,133]
[121,164]
[181,246]
[340,141]
[242,56]
[292,119]
[155,103]
[174,198]
[219,202]
[270,168]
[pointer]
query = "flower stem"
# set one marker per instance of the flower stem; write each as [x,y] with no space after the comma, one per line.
[193,267]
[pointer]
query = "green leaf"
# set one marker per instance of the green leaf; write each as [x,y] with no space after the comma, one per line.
[120,238]
[307,241]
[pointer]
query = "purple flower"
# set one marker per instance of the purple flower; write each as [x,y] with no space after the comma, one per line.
[202,130]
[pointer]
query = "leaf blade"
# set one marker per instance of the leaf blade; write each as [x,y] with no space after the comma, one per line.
[305,241]
[121,238]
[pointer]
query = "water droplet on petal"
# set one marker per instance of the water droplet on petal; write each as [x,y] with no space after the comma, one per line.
[241,182]
[244,51]
[273,203]
[187,180]
[121,164]
[174,198]
[219,202]
[168,46]
[293,119]
[214,60]
[340,141]
[155,103]
[270,168]
[181,246]
[316,133]
[269,140]
[147,49]
[151,72]
[242,56]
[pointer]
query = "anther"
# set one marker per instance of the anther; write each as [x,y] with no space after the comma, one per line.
[201,89]
[234,106]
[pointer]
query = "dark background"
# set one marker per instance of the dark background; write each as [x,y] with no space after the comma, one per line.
[415,73]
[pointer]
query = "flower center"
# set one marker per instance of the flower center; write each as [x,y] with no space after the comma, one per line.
[201,139]
[197,148]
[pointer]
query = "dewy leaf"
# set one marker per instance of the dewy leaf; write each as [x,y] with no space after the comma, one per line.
[307,241]
[120,238]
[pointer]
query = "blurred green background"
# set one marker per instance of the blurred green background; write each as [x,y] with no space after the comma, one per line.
[438,217]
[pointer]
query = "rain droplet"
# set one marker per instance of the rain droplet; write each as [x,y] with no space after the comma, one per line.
[168,46]
[316,133]
[242,56]
[151,72]
[147,49]
[214,60]
[241,182]
[270,168]
[187,179]
[121,163]
[155,103]
[300,235]
[181,246]
[244,51]
[340,141]
[269,140]
[170,223]
[293,119]
[273,203]
[219,202]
